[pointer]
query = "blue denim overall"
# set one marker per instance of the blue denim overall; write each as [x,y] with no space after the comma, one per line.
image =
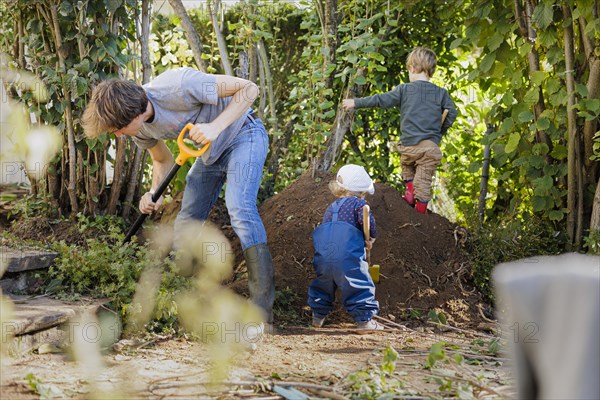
[339,262]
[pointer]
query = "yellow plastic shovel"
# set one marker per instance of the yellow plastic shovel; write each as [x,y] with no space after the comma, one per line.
[373,269]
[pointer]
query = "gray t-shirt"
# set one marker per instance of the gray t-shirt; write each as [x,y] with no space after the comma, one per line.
[180,96]
[421,106]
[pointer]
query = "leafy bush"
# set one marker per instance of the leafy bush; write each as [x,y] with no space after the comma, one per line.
[286,307]
[508,240]
[107,268]
[592,242]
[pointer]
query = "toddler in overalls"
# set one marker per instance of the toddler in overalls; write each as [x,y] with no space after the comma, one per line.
[339,260]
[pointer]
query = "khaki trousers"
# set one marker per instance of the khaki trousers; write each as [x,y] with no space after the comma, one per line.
[419,164]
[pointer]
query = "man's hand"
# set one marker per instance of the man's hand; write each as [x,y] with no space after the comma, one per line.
[348,104]
[204,133]
[369,244]
[146,204]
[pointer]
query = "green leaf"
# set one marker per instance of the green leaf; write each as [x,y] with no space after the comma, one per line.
[542,15]
[82,86]
[352,58]
[458,358]
[513,142]
[482,10]
[543,123]
[507,125]
[581,89]
[556,215]
[455,43]
[544,184]
[65,8]
[524,49]
[487,62]
[559,152]
[532,96]
[525,116]
[34,26]
[474,167]
[547,38]
[538,77]
[495,41]
[112,5]
[360,80]
[326,105]
[538,203]
[540,149]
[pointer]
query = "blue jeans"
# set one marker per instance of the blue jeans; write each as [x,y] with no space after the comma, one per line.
[241,166]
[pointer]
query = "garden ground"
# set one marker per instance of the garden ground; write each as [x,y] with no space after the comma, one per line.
[326,360]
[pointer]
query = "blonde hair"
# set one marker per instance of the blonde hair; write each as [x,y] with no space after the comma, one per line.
[114,104]
[422,59]
[339,191]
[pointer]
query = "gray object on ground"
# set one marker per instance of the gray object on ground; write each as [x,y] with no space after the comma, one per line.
[550,310]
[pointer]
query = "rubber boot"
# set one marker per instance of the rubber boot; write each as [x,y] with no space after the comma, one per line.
[261,278]
[409,194]
[421,206]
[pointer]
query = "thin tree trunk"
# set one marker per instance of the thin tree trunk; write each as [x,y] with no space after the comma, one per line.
[252,50]
[71,187]
[485,174]
[243,71]
[20,42]
[580,206]
[262,101]
[214,11]
[341,125]
[523,18]
[330,39]
[253,62]
[117,182]
[593,87]
[571,129]
[269,85]
[146,74]
[190,32]
[133,181]
[595,220]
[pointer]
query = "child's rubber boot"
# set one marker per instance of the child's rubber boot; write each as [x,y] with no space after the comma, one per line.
[409,194]
[317,322]
[421,206]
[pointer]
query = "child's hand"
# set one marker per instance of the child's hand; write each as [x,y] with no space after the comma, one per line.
[348,104]
[369,244]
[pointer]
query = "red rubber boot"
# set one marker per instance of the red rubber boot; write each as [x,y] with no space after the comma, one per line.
[421,207]
[409,194]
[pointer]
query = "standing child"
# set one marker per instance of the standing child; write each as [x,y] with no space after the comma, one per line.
[339,260]
[422,105]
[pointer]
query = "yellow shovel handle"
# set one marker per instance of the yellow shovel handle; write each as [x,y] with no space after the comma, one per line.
[184,151]
[366,222]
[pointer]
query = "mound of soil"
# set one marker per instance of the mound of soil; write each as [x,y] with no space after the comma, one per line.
[422,267]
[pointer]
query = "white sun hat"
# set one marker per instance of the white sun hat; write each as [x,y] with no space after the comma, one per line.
[355,178]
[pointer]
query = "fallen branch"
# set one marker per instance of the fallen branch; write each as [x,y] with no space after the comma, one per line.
[262,385]
[461,330]
[390,322]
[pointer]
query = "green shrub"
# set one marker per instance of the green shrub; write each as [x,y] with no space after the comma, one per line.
[592,242]
[107,268]
[285,307]
[508,240]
